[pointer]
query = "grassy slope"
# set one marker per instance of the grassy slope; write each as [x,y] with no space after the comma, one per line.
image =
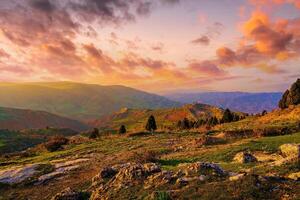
[279,118]
[12,141]
[74,100]
[110,150]
[17,119]
[135,119]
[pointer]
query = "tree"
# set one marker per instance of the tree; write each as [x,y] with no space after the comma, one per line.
[264,112]
[151,124]
[236,118]
[185,123]
[227,116]
[122,130]
[94,134]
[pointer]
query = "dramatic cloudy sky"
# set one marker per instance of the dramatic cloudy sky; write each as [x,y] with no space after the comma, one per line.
[154,45]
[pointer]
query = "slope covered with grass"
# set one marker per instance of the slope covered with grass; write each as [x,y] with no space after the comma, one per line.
[134,119]
[18,119]
[76,100]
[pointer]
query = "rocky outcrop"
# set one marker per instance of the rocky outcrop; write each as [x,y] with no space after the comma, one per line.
[18,174]
[68,194]
[290,150]
[291,96]
[35,173]
[203,168]
[294,176]
[244,157]
[150,176]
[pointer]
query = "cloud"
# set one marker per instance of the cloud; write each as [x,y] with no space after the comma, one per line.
[203,40]
[264,44]
[3,54]
[159,47]
[206,68]
[260,3]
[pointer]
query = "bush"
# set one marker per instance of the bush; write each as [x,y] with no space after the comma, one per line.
[151,124]
[227,116]
[94,134]
[272,131]
[55,143]
[146,157]
[122,130]
[208,140]
[139,133]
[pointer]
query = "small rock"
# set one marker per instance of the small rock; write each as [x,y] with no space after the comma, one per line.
[290,150]
[236,177]
[203,168]
[244,157]
[294,176]
[185,180]
[108,172]
[67,194]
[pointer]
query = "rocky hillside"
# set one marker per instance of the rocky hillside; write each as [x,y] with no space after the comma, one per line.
[136,118]
[291,96]
[237,101]
[18,119]
[77,101]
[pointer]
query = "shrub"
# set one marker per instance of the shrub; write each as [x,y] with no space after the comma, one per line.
[145,157]
[94,134]
[122,130]
[139,133]
[151,124]
[55,143]
[227,116]
[272,131]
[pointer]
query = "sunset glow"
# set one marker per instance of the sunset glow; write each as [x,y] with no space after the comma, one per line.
[158,46]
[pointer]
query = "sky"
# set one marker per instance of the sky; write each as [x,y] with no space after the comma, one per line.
[160,46]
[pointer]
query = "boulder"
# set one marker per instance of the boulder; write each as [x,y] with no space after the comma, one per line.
[18,174]
[290,150]
[68,194]
[294,176]
[235,177]
[203,168]
[186,180]
[158,179]
[108,172]
[244,157]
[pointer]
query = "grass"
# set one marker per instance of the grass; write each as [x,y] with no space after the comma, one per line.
[109,150]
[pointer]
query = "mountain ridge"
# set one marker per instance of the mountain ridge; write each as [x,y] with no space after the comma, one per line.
[237,101]
[77,100]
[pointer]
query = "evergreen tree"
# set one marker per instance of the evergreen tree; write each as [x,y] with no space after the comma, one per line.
[179,124]
[264,112]
[236,117]
[227,116]
[185,123]
[151,124]
[122,130]
[215,121]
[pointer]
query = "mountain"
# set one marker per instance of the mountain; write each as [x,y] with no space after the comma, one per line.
[135,119]
[76,100]
[18,119]
[237,101]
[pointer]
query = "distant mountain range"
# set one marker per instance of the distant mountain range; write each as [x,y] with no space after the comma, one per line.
[19,119]
[76,100]
[237,101]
